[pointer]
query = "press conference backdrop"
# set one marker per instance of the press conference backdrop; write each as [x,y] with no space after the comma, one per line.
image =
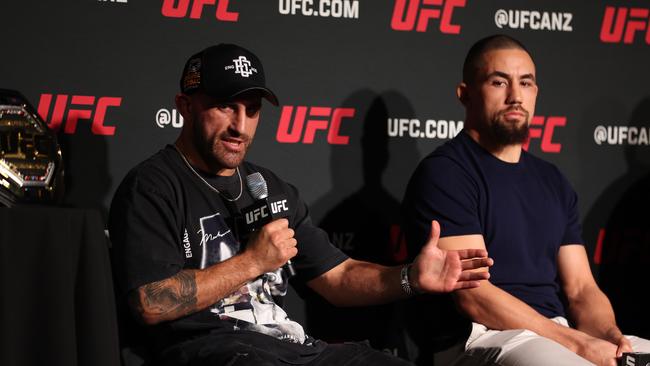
[366,90]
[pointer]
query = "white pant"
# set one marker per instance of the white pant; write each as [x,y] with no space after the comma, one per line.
[518,347]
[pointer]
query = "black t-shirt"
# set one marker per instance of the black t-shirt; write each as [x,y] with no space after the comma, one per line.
[525,211]
[164,219]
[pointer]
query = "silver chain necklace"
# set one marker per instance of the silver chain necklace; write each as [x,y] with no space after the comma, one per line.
[241,184]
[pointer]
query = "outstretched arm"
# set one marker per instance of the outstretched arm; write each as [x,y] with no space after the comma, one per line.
[358,283]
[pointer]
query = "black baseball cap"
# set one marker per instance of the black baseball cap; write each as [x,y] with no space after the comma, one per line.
[224,71]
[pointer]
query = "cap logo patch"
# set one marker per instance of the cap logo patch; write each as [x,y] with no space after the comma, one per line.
[243,67]
[192,77]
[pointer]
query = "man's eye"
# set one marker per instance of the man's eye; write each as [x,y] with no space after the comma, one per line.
[254,109]
[251,112]
[224,107]
[498,83]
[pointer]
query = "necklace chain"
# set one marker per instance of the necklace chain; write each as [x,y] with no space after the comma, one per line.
[241,184]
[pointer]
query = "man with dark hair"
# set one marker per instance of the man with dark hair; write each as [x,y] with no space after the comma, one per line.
[207,286]
[474,58]
[523,210]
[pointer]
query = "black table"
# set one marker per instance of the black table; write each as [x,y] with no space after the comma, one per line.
[58,305]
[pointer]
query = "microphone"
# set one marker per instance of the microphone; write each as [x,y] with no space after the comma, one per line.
[265,209]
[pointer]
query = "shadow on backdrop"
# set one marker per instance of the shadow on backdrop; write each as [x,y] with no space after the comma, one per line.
[602,159]
[87,182]
[623,244]
[365,224]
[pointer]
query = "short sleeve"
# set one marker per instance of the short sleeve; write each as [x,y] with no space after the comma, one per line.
[316,254]
[440,189]
[145,235]
[573,230]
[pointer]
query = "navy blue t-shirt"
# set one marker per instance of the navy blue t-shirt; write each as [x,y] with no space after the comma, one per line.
[525,212]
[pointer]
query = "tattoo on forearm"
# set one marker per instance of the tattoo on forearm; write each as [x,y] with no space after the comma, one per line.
[170,298]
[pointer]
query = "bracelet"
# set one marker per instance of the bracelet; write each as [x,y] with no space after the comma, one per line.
[404,280]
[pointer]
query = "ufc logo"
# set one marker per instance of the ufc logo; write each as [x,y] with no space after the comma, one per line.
[633,20]
[397,244]
[545,133]
[408,14]
[319,119]
[179,8]
[79,107]
[256,214]
[279,206]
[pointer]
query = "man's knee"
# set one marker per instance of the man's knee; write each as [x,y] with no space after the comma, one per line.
[358,354]
[504,339]
[538,351]
[245,357]
[639,344]
[519,347]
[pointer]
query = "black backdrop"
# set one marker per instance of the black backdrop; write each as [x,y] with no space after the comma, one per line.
[375,80]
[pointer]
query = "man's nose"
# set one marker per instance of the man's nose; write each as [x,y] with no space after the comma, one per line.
[515,95]
[239,119]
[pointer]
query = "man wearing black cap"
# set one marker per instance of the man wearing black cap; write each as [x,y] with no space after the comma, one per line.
[205,285]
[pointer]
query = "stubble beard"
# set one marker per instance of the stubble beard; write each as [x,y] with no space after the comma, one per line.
[215,155]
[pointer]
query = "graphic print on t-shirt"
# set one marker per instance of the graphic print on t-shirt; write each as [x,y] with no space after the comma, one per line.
[252,306]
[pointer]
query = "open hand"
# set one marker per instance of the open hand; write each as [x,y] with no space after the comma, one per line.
[439,270]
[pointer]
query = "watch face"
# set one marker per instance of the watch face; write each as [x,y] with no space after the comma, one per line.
[31,168]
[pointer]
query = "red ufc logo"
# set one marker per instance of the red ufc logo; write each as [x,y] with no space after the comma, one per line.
[545,132]
[179,8]
[78,107]
[633,20]
[319,119]
[397,249]
[406,13]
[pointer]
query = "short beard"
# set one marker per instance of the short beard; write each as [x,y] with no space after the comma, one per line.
[504,134]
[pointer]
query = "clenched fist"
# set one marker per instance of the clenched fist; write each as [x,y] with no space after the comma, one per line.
[272,246]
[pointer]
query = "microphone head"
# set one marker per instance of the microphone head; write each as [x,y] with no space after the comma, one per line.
[257,186]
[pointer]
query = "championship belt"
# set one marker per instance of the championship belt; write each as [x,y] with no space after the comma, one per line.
[31,165]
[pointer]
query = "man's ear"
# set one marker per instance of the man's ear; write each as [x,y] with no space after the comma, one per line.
[462,93]
[183,105]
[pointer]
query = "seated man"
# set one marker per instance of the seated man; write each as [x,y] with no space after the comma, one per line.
[202,281]
[487,192]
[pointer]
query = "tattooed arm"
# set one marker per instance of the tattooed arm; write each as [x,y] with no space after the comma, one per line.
[189,291]
[193,290]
